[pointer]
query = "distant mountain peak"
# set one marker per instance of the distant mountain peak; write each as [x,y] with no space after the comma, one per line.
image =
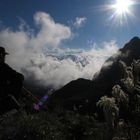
[131,50]
[135,39]
[134,42]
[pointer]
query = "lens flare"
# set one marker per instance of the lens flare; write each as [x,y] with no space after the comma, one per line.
[40,103]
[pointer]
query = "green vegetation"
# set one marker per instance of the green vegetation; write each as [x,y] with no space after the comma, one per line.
[121,113]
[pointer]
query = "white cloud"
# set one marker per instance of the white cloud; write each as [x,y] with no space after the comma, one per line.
[50,33]
[24,44]
[80,21]
[61,66]
[40,58]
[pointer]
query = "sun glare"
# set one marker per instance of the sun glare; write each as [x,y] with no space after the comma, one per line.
[122,6]
[122,11]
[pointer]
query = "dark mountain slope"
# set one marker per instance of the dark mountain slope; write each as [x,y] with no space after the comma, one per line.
[85,93]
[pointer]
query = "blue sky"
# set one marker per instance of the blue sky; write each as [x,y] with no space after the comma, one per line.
[97,27]
[55,41]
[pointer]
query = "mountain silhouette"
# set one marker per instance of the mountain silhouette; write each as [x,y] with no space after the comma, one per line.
[83,94]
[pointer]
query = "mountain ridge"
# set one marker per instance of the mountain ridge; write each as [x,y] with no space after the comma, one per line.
[86,93]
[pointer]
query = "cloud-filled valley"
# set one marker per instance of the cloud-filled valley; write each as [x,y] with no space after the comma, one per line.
[40,57]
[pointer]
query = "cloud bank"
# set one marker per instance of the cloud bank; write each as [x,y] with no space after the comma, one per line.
[41,59]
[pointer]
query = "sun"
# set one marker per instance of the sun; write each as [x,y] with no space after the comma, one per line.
[121,11]
[122,6]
